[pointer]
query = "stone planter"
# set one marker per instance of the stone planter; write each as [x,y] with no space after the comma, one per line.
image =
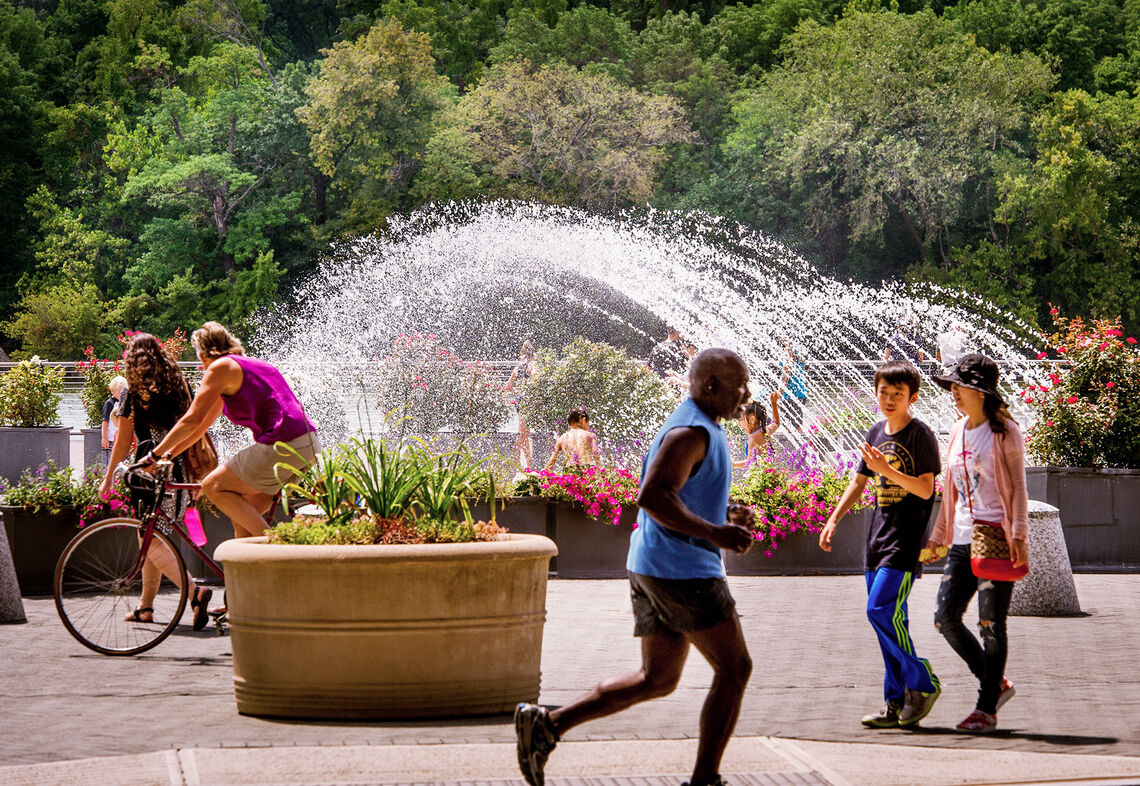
[36,540]
[93,448]
[801,555]
[521,515]
[420,631]
[1100,513]
[589,548]
[30,448]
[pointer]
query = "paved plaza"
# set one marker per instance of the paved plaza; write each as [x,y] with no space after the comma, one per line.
[70,716]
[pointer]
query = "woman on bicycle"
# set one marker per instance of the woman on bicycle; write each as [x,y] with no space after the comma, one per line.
[157,396]
[253,394]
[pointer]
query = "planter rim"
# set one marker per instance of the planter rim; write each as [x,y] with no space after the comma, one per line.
[35,428]
[514,546]
[1087,470]
[62,508]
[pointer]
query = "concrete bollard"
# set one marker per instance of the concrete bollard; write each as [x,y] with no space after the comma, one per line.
[11,604]
[1048,590]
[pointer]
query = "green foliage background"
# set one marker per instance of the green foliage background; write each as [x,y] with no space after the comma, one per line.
[166,161]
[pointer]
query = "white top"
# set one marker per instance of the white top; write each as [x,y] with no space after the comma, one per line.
[983,490]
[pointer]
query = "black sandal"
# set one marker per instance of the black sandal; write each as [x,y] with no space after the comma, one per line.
[134,616]
[199,603]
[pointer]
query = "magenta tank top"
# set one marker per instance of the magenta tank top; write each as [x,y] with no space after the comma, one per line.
[265,404]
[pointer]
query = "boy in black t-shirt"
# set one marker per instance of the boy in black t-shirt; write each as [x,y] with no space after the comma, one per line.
[901,453]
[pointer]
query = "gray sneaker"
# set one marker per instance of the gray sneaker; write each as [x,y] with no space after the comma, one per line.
[886,718]
[536,739]
[917,706]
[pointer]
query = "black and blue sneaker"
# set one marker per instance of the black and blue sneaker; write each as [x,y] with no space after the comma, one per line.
[536,739]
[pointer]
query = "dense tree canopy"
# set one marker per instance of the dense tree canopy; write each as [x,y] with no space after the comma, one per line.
[165,161]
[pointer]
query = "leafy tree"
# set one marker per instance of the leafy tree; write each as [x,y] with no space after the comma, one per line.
[586,37]
[878,136]
[59,321]
[751,34]
[21,49]
[1073,208]
[1075,34]
[369,116]
[462,32]
[564,135]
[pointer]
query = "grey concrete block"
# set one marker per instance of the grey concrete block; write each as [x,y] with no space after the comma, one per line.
[1048,590]
[11,604]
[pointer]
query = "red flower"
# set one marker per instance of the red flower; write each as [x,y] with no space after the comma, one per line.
[1041,355]
[1131,340]
[1113,332]
[1071,399]
[1104,346]
[1110,384]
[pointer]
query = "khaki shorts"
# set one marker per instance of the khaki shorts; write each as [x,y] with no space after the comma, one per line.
[256,465]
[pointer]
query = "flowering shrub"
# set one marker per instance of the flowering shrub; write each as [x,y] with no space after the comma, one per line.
[116,503]
[625,399]
[429,387]
[599,491]
[175,346]
[96,375]
[30,395]
[51,488]
[1088,405]
[796,498]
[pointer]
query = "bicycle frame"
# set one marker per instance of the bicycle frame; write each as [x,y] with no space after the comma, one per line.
[152,521]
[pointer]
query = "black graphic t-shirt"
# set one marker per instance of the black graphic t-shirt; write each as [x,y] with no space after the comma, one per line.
[899,521]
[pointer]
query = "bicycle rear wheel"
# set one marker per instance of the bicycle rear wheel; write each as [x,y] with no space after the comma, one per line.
[94,591]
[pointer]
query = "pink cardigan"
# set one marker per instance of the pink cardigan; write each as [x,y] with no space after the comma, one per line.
[1009,477]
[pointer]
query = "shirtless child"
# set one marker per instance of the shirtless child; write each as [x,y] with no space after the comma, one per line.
[578,444]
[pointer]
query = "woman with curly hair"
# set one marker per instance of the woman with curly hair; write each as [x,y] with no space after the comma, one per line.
[157,396]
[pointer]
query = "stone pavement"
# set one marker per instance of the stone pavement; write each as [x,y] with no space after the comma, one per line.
[68,715]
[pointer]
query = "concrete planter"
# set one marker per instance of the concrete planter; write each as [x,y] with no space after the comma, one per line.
[36,540]
[589,548]
[1100,513]
[801,555]
[30,448]
[521,515]
[421,631]
[93,448]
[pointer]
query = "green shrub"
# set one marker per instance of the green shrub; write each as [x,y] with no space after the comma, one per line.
[626,400]
[30,395]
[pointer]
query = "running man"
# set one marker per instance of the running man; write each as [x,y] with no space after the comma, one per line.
[676,575]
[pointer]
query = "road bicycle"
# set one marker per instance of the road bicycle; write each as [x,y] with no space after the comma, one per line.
[99,576]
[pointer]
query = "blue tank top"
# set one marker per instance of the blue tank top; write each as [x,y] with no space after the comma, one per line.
[657,551]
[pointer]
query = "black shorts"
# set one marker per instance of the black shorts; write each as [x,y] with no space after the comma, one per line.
[678,605]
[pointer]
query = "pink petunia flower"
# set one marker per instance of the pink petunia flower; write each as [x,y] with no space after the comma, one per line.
[1071,400]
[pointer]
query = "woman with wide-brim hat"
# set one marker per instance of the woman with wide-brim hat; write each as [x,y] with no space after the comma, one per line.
[984,482]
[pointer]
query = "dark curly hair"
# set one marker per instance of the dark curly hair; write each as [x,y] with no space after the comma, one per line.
[153,375]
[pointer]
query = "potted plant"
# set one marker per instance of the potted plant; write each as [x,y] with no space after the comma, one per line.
[792,495]
[41,513]
[592,511]
[1086,439]
[29,416]
[97,375]
[387,599]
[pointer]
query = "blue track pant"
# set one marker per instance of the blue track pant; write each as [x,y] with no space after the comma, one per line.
[887,591]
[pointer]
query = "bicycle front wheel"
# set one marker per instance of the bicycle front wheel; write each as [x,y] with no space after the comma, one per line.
[95,591]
